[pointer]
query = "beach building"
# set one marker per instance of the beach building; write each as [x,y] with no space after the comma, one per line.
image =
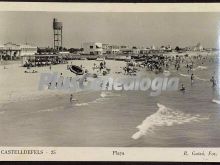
[92,48]
[135,50]
[198,47]
[27,50]
[12,51]
[110,49]
[124,49]
[144,50]
[1,52]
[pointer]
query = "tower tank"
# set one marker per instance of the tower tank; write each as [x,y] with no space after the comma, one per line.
[58,35]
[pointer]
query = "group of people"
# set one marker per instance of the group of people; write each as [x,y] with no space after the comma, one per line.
[190,67]
[179,63]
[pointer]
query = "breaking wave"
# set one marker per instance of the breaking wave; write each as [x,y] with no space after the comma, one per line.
[198,78]
[164,117]
[184,75]
[81,104]
[166,73]
[50,110]
[216,101]
[104,97]
[201,67]
[109,94]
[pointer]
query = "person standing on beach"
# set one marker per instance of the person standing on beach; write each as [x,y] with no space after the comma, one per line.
[62,78]
[101,66]
[192,78]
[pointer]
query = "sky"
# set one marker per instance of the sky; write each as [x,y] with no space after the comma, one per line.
[134,29]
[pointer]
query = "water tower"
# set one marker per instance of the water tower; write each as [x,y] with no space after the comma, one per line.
[57,34]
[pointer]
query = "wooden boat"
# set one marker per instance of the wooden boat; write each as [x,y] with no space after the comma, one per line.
[91,58]
[76,69]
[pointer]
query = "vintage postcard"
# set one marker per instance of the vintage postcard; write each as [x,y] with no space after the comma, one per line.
[109,82]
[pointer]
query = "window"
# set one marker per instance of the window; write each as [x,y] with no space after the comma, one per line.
[91,47]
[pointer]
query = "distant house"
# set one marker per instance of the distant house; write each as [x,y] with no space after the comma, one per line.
[110,49]
[124,49]
[198,47]
[92,48]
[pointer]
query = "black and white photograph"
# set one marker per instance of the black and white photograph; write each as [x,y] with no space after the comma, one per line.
[109,79]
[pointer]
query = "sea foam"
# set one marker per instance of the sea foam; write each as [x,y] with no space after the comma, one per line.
[109,94]
[163,117]
[104,97]
[50,109]
[216,101]
[198,78]
[201,67]
[184,75]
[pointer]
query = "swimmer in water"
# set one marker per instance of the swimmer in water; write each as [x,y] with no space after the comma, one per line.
[213,81]
[192,78]
[183,88]
[72,99]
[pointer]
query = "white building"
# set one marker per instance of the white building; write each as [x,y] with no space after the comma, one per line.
[13,50]
[125,49]
[198,47]
[92,48]
[135,50]
[27,50]
[110,49]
